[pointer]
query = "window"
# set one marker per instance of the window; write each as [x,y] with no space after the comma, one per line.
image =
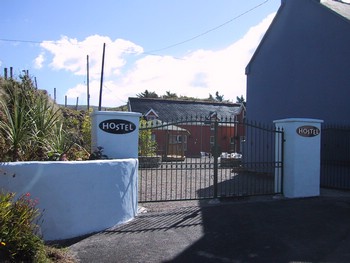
[178,139]
[151,117]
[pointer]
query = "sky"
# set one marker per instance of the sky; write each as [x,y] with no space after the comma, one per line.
[189,47]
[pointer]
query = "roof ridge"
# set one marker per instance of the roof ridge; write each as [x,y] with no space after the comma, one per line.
[338,6]
[188,101]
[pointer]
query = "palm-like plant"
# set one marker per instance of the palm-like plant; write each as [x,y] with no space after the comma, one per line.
[45,115]
[27,120]
[32,126]
[15,125]
[60,142]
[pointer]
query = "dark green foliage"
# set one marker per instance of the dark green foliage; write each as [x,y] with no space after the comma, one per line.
[147,94]
[240,99]
[98,154]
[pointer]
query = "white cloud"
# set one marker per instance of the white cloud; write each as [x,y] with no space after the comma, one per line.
[70,54]
[111,93]
[200,72]
[196,74]
[39,60]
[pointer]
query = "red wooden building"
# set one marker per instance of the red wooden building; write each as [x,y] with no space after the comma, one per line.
[187,128]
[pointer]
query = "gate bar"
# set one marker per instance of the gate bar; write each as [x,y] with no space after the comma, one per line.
[216,156]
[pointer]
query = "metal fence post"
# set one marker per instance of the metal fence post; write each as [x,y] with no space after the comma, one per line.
[216,155]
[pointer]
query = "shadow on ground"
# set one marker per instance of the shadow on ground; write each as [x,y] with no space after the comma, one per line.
[298,230]
[308,230]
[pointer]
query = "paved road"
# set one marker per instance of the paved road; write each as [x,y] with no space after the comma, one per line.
[261,230]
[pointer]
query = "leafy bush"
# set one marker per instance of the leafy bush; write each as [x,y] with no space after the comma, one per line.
[19,233]
[19,239]
[147,146]
[77,124]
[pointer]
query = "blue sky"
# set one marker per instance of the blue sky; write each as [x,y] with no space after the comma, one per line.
[188,47]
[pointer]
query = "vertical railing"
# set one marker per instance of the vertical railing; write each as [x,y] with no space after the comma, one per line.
[215,156]
[279,159]
[213,176]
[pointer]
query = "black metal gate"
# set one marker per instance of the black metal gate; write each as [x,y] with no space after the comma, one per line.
[335,157]
[199,158]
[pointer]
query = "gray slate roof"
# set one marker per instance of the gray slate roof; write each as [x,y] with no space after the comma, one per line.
[176,109]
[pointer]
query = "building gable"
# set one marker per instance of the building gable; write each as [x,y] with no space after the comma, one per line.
[150,115]
[313,10]
[301,64]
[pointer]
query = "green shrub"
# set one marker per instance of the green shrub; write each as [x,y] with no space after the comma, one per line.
[19,239]
[147,146]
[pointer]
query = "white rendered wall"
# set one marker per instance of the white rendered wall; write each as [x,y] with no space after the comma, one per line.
[116,145]
[77,198]
[301,167]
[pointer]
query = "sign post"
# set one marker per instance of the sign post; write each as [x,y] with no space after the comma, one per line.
[302,153]
[117,132]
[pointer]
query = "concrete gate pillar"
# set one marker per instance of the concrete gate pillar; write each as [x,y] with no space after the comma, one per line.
[117,132]
[302,147]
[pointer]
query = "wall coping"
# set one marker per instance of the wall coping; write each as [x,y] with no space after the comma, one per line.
[114,160]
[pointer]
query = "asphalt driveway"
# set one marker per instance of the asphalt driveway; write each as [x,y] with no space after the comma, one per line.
[259,230]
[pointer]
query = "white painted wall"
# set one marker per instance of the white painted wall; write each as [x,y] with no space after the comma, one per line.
[301,167]
[77,197]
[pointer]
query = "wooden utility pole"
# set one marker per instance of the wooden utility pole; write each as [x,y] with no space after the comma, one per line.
[76,105]
[87,83]
[101,84]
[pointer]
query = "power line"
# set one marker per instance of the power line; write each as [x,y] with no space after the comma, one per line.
[155,50]
[208,31]
[38,42]
[20,41]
